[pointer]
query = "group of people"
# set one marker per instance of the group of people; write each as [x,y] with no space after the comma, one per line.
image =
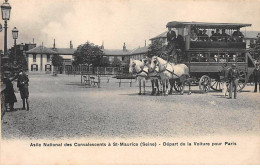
[201,35]
[22,84]
[230,78]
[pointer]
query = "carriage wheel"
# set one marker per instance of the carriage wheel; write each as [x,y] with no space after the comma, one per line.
[242,81]
[204,83]
[178,86]
[216,85]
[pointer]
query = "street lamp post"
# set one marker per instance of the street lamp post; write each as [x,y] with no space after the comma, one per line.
[15,36]
[5,9]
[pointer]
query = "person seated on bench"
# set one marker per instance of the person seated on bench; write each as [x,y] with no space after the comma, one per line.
[224,36]
[204,36]
[237,36]
[217,35]
[193,35]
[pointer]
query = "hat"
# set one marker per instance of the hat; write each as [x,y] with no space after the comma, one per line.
[233,65]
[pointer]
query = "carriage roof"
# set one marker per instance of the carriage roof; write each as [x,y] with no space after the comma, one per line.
[206,25]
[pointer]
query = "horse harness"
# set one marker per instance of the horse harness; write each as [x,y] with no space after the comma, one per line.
[142,70]
[165,69]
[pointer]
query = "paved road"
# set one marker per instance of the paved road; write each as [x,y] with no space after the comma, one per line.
[61,107]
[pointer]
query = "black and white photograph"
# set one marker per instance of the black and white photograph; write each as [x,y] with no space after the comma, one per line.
[128,82]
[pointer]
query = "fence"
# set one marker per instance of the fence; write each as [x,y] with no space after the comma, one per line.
[97,70]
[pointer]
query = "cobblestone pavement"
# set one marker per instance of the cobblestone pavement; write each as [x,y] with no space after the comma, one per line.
[60,107]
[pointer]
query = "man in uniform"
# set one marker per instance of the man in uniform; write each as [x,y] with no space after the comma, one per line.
[171,38]
[256,75]
[233,77]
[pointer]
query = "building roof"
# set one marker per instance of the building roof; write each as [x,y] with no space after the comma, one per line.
[111,52]
[162,35]
[64,51]
[207,25]
[251,34]
[140,50]
[41,49]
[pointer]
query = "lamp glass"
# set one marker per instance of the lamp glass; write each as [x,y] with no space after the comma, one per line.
[6,10]
[15,33]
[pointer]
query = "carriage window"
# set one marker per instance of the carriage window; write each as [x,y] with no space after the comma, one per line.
[194,58]
[214,57]
[241,57]
[222,57]
[203,57]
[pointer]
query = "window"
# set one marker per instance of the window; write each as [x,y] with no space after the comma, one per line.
[47,67]
[48,57]
[34,67]
[34,57]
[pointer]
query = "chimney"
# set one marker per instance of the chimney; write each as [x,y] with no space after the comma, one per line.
[102,46]
[124,47]
[33,40]
[54,44]
[71,45]
[145,43]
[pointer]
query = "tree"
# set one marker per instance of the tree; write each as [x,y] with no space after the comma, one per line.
[88,53]
[255,49]
[157,48]
[116,62]
[57,61]
[105,62]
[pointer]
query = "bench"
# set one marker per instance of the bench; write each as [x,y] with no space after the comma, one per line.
[125,78]
[91,80]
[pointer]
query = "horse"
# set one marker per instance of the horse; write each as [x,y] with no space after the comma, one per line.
[170,72]
[154,77]
[141,71]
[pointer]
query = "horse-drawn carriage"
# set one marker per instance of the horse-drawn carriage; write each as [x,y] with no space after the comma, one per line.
[205,55]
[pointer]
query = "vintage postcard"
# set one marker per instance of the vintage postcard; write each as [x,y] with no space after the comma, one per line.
[130,82]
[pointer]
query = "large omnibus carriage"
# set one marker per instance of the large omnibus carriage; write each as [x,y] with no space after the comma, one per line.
[205,57]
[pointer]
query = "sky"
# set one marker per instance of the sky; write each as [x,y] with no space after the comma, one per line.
[116,21]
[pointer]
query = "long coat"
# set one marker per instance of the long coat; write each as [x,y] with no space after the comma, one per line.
[22,84]
[256,75]
[9,92]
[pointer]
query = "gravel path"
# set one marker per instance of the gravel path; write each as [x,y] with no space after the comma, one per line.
[60,107]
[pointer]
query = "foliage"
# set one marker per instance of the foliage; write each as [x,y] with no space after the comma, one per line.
[17,59]
[116,62]
[57,60]
[105,62]
[255,49]
[157,48]
[88,53]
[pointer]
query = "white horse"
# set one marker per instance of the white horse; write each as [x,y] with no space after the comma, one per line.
[170,72]
[141,71]
[154,77]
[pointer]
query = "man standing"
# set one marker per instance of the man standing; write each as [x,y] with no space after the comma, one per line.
[22,84]
[224,78]
[233,77]
[256,75]
[171,37]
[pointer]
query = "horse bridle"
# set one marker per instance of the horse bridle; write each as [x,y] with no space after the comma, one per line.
[165,69]
[139,72]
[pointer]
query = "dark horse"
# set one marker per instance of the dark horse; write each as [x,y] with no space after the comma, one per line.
[22,84]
